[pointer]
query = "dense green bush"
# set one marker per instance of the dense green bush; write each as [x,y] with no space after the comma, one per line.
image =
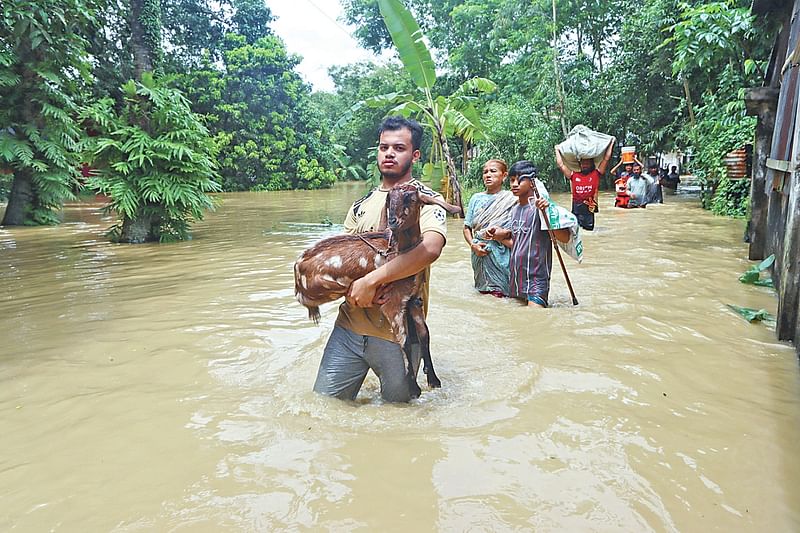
[732,198]
[154,159]
[43,65]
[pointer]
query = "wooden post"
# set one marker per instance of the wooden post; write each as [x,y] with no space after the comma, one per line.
[762,102]
[789,285]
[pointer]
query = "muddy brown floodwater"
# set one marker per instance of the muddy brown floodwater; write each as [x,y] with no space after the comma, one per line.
[168,387]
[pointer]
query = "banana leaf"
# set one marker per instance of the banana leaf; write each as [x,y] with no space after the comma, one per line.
[408,39]
[753,315]
[476,85]
[432,173]
[751,277]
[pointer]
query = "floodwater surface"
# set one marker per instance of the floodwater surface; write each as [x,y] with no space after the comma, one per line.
[168,387]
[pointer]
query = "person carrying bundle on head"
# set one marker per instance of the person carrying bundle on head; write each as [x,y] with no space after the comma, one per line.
[583,158]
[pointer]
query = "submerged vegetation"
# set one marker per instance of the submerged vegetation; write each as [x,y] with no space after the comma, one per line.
[664,75]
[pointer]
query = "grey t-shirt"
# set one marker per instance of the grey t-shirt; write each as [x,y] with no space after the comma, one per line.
[639,187]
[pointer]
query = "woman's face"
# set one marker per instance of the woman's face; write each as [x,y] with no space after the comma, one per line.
[493,176]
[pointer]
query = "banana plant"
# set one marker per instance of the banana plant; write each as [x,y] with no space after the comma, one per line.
[445,116]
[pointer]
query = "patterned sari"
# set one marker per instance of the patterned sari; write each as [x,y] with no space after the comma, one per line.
[486,210]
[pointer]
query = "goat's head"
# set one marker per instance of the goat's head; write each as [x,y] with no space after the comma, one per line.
[404,202]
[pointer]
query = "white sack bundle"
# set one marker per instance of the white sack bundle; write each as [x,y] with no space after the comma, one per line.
[584,143]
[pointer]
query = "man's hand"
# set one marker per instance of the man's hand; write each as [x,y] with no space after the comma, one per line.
[363,293]
[541,203]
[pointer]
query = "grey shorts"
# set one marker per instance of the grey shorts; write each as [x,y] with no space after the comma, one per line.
[347,359]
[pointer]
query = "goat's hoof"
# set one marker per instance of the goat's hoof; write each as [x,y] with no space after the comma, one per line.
[434,383]
[414,390]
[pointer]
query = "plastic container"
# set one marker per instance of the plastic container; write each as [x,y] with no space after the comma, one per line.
[628,154]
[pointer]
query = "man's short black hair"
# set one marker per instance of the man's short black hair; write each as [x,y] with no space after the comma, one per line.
[395,123]
[652,166]
[521,168]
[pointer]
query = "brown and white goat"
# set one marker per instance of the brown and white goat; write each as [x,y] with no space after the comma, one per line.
[324,272]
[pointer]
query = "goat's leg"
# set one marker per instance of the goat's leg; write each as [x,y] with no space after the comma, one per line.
[408,350]
[404,334]
[417,322]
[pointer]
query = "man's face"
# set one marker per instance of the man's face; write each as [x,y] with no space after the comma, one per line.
[653,171]
[520,187]
[637,170]
[628,168]
[586,165]
[396,154]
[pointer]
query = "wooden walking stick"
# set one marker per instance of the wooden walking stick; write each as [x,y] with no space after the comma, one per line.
[536,194]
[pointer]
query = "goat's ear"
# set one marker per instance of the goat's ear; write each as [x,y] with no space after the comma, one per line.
[432,200]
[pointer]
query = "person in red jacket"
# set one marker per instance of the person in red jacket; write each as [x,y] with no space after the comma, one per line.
[585,186]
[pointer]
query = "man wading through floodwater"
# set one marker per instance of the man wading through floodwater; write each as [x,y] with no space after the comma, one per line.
[362,338]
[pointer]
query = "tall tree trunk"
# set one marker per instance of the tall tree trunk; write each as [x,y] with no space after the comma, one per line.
[466,147]
[688,100]
[453,192]
[557,73]
[20,200]
[138,230]
[146,47]
[145,24]
[22,196]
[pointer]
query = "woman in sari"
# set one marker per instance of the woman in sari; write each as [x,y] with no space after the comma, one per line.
[487,209]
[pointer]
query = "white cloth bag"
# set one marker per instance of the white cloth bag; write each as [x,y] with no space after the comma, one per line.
[584,143]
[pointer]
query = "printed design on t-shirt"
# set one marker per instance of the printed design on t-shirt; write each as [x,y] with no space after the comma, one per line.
[423,189]
[519,226]
[360,201]
[438,213]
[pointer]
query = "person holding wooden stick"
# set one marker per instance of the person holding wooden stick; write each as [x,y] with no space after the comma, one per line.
[528,237]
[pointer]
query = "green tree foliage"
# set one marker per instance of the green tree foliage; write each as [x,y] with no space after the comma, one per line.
[715,43]
[43,64]
[355,83]
[631,68]
[445,116]
[155,159]
[271,135]
[251,18]
[518,131]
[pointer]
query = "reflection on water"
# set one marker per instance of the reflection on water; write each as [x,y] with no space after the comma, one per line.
[169,387]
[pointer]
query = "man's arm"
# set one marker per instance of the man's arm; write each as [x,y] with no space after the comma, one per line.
[628,189]
[362,291]
[601,168]
[613,170]
[563,166]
